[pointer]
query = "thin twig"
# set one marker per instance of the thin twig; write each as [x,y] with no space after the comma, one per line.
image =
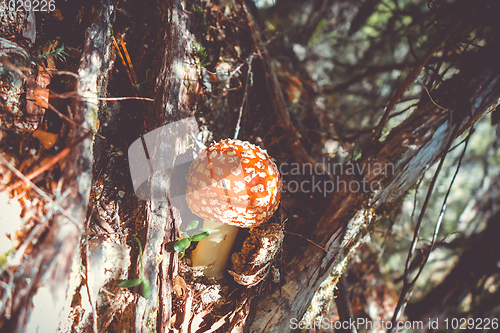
[276,94]
[39,191]
[71,121]
[63,116]
[123,60]
[125,98]
[443,206]
[49,164]
[57,72]
[72,94]
[370,71]
[412,76]
[430,97]
[408,285]
[310,241]
[129,61]
[14,68]
[245,93]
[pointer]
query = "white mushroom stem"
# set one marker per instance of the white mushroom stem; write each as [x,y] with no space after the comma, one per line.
[212,253]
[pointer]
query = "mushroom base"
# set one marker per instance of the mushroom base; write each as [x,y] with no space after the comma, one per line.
[212,253]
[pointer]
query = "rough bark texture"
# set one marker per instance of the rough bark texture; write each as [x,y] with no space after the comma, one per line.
[334,227]
[170,105]
[413,146]
[40,283]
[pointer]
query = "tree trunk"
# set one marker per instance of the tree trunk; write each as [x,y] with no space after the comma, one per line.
[411,147]
[178,82]
[40,295]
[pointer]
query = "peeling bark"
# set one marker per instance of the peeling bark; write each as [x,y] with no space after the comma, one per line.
[40,285]
[336,230]
[172,103]
[412,147]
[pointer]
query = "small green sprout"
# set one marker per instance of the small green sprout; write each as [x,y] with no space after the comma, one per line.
[138,86]
[144,283]
[182,244]
[56,52]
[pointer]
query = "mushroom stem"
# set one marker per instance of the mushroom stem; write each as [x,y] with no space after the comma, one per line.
[213,252]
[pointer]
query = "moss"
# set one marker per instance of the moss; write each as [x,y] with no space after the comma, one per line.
[151,318]
[4,259]
[200,56]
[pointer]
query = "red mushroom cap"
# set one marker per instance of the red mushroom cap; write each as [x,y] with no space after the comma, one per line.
[234,182]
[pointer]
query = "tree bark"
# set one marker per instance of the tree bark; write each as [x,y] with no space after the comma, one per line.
[411,147]
[335,230]
[40,295]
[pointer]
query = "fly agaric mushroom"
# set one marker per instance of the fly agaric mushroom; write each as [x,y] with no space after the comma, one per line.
[233,184]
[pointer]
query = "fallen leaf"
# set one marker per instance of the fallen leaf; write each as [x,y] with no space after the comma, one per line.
[48,140]
[179,287]
[42,97]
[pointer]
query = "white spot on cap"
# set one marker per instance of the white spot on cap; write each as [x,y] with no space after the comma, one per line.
[230,200]
[261,155]
[247,153]
[238,186]
[225,184]
[262,202]
[257,188]
[248,178]
[244,197]
[236,171]
[250,170]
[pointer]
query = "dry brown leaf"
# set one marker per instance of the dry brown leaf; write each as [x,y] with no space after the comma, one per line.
[42,97]
[48,140]
[179,287]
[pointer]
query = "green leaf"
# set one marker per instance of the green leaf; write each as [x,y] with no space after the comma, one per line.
[192,225]
[205,229]
[130,283]
[200,236]
[140,245]
[182,244]
[145,288]
[140,257]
